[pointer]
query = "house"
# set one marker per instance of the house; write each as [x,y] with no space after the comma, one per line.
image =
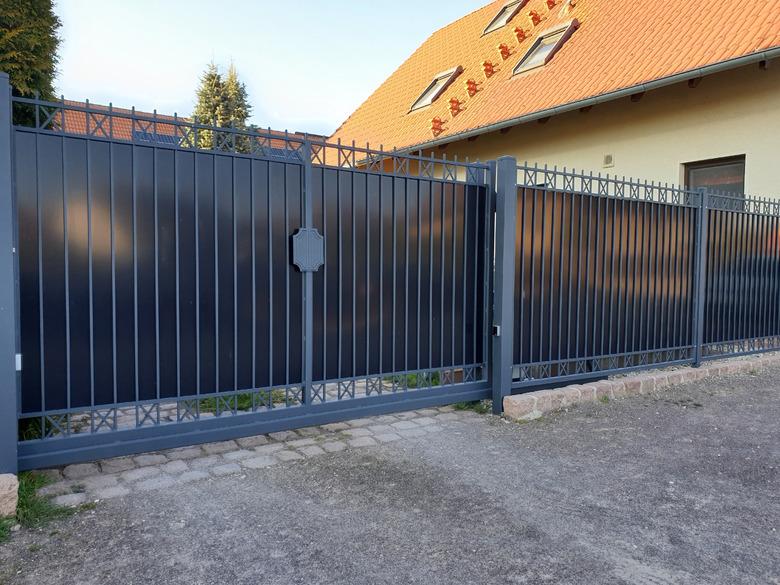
[678,92]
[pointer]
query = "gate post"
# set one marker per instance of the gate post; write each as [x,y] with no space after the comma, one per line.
[8,287]
[700,298]
[505,188]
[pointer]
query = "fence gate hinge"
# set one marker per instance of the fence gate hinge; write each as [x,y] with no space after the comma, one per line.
[308,250]
[18,362]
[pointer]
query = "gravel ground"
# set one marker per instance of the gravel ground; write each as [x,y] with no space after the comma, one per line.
[680,487]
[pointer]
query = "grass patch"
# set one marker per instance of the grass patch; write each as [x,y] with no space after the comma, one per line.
[604,399]
[32,509]
[243,402]
[478,406]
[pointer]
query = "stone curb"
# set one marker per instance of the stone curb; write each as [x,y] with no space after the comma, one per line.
[532,405]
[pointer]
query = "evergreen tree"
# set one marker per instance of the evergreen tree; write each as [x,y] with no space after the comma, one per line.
[28,45]
[223,103]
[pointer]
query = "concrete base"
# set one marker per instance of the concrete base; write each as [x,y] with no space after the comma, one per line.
[9,494]
[532,405]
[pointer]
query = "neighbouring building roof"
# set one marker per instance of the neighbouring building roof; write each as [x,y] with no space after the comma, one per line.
[117,123]
[618,45]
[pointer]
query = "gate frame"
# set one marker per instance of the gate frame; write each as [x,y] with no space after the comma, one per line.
[9,283]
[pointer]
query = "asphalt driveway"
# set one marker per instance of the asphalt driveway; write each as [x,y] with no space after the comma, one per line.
[677,488]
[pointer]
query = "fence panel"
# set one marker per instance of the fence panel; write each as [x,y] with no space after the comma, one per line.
[743,276]
[604,276]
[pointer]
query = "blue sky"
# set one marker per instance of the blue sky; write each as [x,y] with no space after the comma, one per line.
[307,64]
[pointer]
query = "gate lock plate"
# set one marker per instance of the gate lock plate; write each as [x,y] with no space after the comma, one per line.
[308,249]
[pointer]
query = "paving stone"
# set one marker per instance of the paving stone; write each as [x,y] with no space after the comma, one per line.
[184,453]
[425,420]
[427,412]
[204,462]
[448,408]
[227,469]
[301,443]
[56,489]
[409,433]
[99,481]
[406,415]
[387,437]
[251,442]
[361,442]
[385,419]
[334,427]
[175,466]
[150,459]
[238,455]
[80,470]
[107,493]
[117,464]
[334,446]
[310,432]
[221,447]
[433,429]
[155,483]
[260,462]
[405,424]
[380,429]
[288,455]
[70,500]
[360,432]
[269,449]
[312,451]
[140,473]
[447,416]
[284,435]
[192,476]
[361,422]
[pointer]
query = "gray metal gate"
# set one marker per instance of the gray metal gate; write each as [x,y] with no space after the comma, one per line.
[170,287]
[165,282]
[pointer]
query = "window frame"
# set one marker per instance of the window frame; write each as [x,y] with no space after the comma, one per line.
[715,162]
[450,74]
[565,31]
[519,4]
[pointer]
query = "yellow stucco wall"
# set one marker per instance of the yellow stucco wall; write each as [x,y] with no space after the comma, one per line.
[731,113]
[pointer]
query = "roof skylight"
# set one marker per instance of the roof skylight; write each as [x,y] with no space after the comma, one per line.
[504,15]
[436,88]
[545,47]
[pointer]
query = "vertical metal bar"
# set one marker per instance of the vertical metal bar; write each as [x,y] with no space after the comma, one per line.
[9,286]
[700,272]
[178,285]
[339,230]
[270,288]
[156,271]
[89,284]
[308,279]
[235,266]
[196,198]
[66,260]
[452,273]
[216,268]
[254,274]
[504,173]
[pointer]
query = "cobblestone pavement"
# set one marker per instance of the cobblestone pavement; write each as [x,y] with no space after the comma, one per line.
[111,478]
[678,486]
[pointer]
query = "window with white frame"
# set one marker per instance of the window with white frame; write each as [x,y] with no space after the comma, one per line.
[440,82]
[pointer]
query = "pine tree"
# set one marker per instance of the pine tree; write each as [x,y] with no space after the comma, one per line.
[28,45]
[210,106]
[223,103]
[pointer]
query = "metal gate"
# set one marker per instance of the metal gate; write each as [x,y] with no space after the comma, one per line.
[180,283]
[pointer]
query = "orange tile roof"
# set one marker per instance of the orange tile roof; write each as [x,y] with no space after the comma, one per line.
[620,44]
[120,126]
